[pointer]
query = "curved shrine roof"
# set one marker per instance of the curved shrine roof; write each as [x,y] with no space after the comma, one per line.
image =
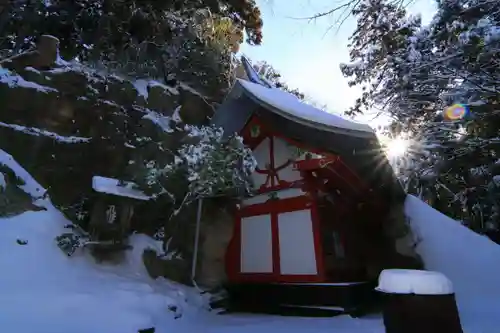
[355,142]
[289,106]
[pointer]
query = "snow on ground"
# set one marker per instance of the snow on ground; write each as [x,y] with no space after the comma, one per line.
[275,324]
[469,260]
[44,291]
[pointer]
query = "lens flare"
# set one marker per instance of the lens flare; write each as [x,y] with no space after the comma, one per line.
[455,112]
[397,147]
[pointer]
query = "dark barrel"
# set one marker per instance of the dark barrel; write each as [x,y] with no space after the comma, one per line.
[418,302]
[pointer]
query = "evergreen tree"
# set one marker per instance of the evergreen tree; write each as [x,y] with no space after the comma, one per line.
[203,163]
[414,72]
[274,77]
[114,24]
[140,38]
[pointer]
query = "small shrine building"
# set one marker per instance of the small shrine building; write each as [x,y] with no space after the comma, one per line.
[324,189]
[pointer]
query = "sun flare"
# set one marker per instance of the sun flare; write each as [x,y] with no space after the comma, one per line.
[396,147]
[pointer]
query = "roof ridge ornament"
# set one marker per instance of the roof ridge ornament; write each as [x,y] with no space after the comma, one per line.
[252,74]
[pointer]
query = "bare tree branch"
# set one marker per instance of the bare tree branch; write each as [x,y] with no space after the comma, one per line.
[327,13]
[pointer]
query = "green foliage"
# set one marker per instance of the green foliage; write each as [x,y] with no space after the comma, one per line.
[106,26]
[71,241]
[157,39]
[68,243]
[272,75]
[215,166]
[205,165]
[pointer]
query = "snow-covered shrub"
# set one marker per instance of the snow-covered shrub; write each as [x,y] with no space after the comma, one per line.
[72,240]
[207,164]
[68,243]
[215,166]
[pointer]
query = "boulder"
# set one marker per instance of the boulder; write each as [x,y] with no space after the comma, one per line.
[171,268]
[195,108]
[160,99]
[43,57]
[13,200]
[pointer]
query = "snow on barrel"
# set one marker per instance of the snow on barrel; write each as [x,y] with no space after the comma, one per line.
[406,281]
[418,301]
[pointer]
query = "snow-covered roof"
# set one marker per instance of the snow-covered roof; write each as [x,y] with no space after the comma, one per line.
[407,281]
[289,106]
[110,186]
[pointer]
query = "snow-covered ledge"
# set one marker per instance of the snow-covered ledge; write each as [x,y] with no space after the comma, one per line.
[417,282]
[112,186]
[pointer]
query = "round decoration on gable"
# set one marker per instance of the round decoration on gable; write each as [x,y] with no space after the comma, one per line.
[296,151]
[255,131]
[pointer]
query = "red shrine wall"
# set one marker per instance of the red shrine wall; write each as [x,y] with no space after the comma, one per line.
[312,220]
[277,232]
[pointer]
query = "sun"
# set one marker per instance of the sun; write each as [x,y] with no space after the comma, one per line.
[396,147]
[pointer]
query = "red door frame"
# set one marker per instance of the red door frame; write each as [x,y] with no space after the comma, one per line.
[273,208]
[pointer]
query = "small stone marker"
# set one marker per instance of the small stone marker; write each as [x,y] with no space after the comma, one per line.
[418,301]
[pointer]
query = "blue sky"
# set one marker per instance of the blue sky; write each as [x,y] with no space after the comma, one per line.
[306,54]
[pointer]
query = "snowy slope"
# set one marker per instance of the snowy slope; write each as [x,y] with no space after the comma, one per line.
[43,290]
[469,260]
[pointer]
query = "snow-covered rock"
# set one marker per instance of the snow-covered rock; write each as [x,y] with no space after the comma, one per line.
[80,121]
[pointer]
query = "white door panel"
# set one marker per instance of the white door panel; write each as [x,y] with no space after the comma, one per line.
[256,244]
[296,243]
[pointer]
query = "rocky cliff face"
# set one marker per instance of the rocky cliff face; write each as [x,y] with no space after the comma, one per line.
[65,122]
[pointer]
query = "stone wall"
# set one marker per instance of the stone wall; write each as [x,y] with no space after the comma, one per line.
[216,235]
[65,122]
